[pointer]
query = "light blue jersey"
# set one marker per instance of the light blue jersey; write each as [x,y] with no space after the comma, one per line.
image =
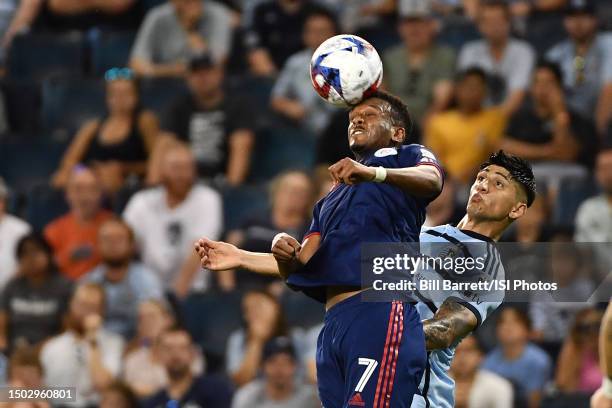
[437,387]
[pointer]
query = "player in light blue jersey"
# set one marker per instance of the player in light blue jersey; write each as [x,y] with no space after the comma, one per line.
[503,190]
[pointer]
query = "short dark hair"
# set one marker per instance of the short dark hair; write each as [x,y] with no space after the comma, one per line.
[501,4]
[320,11]
[553,68]
[519,169]
[125,391]
[471,71]
[520,314]
[399,111]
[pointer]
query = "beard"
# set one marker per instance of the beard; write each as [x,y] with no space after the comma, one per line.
[177,372]
[116,262]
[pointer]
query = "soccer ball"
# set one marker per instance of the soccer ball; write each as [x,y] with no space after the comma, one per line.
[344,69]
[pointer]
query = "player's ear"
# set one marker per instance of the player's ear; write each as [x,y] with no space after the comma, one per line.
[517,210]
[399,135]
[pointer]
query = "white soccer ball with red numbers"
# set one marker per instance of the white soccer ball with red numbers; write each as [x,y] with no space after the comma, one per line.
[344,69]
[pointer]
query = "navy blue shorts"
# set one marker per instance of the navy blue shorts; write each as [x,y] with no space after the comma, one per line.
[370,354]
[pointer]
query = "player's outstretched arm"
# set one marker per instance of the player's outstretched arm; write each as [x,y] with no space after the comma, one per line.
[450,324]
[221,256]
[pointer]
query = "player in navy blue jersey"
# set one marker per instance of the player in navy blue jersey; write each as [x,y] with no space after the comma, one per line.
[364,349]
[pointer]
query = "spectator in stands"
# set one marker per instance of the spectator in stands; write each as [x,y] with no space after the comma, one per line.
[292,95]
[12,229]
[358,16]
[419,70]
[126,282]
[463,137]
[275,33]
[168,219]
[216,124]
[278,386]
[177,352]
[143,369]
[585,59]
[545,131]
[16,16]
[74,236]
[119,395]
[507,61]
[522,363]
[552,317]
[26,371]
[33,302]
[474,387]
[171,33]
[117,145]
[70,15]
[263,320]
[85,356]
[291,198]
[594,217]
[578,365]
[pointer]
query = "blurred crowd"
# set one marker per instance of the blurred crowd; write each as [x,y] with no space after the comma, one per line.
[131,128]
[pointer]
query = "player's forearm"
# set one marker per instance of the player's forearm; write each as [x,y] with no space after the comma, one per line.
[259,262]
[450,324]
[421,181]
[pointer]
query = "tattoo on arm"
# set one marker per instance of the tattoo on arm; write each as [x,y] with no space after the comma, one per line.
[450,324]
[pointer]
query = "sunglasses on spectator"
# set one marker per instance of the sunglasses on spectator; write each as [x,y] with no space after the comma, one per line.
[115,74]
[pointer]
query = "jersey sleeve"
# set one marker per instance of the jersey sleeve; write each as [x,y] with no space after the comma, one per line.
[314,225]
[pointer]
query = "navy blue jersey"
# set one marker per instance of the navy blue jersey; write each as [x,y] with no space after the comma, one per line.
[366,212]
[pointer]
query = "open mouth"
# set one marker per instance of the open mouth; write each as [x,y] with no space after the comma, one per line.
[357,131]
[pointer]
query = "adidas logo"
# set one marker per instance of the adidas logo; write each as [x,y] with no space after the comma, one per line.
[356,400]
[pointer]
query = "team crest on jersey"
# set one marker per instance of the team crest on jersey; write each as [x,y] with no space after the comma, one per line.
[385,151]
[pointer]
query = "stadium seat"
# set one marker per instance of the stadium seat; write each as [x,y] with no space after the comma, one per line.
[67,104]
[544,30]
[301,310]
[241,202]
[109,50]
[211,318]
[149,4]
[571,194]
[40,56]
[158,94]
[43,205]
[455,33]
[28,162]
[577,400]
[22,101]
[281,148]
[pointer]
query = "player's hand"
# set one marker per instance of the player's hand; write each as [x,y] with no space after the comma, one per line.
[217,255]
[599,400]
[348,171]
[285,248]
